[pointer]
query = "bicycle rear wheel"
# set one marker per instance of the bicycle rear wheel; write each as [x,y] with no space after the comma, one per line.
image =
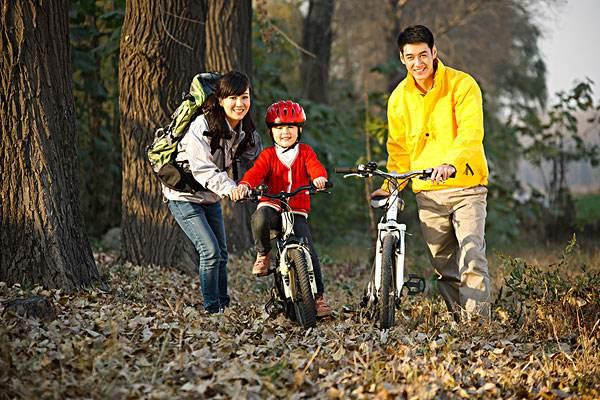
[304,306]
[387,292]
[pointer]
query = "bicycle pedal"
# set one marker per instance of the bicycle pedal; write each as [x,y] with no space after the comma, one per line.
[415,284]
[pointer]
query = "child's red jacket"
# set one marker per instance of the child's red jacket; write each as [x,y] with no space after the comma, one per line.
[268,169]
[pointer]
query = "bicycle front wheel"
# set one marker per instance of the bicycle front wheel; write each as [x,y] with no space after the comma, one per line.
[387,292]
[304,305]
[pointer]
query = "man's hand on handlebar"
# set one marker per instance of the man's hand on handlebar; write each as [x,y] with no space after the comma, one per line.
[442,172]
[380,193]
[320,182]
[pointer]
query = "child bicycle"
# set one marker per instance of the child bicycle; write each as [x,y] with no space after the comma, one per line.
[384,290]
[294,285]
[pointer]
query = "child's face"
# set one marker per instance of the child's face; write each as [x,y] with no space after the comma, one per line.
[285,135]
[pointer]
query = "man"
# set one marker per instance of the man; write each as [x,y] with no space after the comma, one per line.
[435,119]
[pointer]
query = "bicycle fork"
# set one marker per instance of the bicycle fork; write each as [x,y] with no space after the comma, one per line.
[284,268]
[399,233]
[414,285]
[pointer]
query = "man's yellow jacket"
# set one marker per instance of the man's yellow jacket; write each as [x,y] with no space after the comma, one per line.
[444,126]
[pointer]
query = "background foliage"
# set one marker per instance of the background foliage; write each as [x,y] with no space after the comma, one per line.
[352,126]
[95,29]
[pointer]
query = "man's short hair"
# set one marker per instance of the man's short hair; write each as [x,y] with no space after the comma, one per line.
[415,34]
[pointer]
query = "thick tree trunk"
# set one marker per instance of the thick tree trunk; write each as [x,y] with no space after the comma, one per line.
[316,38]
[162,47]
[42,236]
[228,38]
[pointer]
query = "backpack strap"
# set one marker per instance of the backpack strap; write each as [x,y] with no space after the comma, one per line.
[215,141]
[246,143]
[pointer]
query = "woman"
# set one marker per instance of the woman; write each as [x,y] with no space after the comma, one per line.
[209,149]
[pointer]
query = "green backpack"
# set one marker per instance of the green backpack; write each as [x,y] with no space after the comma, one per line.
[163,150]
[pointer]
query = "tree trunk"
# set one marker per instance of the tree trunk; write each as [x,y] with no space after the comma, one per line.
[228,38]
[162,47]
[314,71]
[42,236]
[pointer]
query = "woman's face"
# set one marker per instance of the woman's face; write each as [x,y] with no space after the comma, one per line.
[285,135]
[236,107]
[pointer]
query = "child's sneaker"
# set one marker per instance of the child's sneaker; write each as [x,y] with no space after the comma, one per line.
[323,309]
[262,264]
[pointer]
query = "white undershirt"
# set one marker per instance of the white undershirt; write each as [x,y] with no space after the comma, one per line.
[286,155]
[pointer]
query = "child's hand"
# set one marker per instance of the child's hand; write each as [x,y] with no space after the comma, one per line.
[240,192]
[320,182]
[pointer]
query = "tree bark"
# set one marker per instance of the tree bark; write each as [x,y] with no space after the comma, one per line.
[317,36]
[228,38]
[42,236]
[162,47]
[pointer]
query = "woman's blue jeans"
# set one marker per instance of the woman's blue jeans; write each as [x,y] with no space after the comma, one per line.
[203,224]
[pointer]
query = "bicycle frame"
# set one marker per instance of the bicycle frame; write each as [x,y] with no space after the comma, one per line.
[287,240]
[390,226]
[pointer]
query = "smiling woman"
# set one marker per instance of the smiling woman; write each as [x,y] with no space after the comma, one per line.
[236,107]
[209,150]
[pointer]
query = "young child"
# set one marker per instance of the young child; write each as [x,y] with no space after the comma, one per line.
[284,167]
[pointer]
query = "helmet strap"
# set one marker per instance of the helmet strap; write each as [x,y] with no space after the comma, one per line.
[291,147]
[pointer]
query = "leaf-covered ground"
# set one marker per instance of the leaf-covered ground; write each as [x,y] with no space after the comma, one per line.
[149,338]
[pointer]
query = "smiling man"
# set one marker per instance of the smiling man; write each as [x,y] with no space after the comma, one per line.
[435,118]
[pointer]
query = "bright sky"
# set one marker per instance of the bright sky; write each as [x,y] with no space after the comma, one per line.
[571,45]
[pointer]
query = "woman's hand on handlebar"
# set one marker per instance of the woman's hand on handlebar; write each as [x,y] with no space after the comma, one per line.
[239,192]
[320,182]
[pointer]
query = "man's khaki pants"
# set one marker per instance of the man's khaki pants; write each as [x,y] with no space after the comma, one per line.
[453,225]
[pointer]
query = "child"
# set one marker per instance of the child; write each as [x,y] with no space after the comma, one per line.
[284,167]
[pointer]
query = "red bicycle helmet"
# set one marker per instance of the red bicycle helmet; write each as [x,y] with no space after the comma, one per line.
[285,113]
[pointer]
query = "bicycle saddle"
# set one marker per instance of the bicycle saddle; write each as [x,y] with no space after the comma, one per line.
[379,201]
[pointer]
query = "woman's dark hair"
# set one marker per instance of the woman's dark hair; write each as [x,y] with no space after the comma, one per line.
[233,83]
[413,35]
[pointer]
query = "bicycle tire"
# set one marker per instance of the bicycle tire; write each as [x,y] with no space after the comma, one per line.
[304,306]
[386,303]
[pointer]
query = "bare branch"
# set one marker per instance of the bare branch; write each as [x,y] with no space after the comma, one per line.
[194,21]
[289,39]
[162,22]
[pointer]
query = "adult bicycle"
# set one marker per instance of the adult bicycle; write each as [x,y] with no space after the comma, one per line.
[385,287]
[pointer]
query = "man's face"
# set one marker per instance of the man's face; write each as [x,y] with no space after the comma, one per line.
[418,58]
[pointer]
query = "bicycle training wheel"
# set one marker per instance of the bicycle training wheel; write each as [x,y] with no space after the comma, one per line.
[386,304]
[304,306]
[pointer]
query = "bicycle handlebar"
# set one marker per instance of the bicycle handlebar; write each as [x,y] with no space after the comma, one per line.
[370,169]
[260,191]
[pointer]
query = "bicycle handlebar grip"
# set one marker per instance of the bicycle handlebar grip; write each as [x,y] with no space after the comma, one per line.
[258,191]
[427,174]
[345,170]
[328,185]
